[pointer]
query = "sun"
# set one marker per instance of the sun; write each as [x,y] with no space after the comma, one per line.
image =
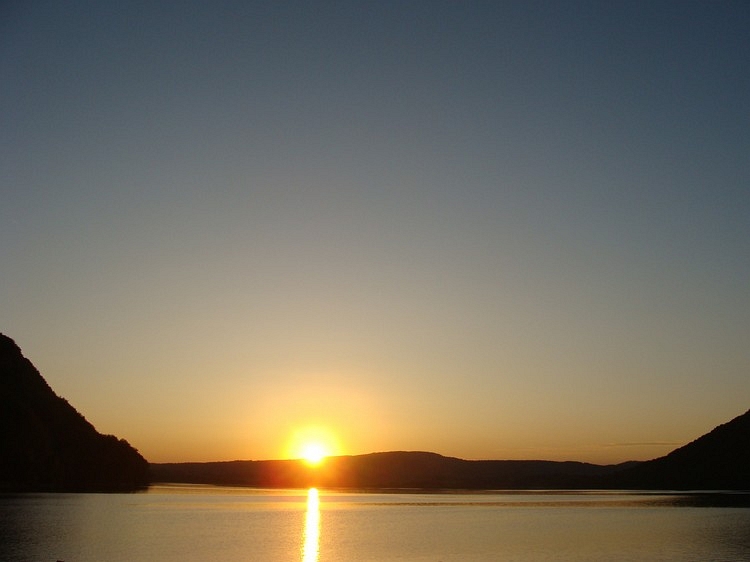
[313,453]
[312,444]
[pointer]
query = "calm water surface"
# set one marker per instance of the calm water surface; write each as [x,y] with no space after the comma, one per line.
[194,523]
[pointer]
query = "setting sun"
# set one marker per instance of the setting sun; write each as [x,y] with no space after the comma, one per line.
[313,453]
[312,445]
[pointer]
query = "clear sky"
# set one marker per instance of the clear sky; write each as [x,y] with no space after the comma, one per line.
[484,229]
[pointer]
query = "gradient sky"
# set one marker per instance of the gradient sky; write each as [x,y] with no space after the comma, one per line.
[484,229]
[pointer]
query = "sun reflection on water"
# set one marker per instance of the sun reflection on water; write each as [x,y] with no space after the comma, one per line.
[311,533]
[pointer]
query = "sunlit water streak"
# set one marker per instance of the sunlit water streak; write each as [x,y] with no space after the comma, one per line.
[311,532]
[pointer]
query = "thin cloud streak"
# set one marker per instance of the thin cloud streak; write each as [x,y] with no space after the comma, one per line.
[645,444]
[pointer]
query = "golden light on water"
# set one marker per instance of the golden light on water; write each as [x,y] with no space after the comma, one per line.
[311,533]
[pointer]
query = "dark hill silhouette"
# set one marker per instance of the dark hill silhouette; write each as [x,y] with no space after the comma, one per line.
[719,460]
[46,445]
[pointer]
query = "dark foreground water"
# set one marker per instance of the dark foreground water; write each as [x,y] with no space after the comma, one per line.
[191,523]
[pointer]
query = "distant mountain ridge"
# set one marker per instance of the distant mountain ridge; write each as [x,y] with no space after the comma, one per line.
[390,470]
[719,460]
[46,445]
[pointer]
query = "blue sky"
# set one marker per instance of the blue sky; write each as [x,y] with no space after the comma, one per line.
[491,230]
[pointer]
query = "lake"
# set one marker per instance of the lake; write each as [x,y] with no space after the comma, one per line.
[200,523]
